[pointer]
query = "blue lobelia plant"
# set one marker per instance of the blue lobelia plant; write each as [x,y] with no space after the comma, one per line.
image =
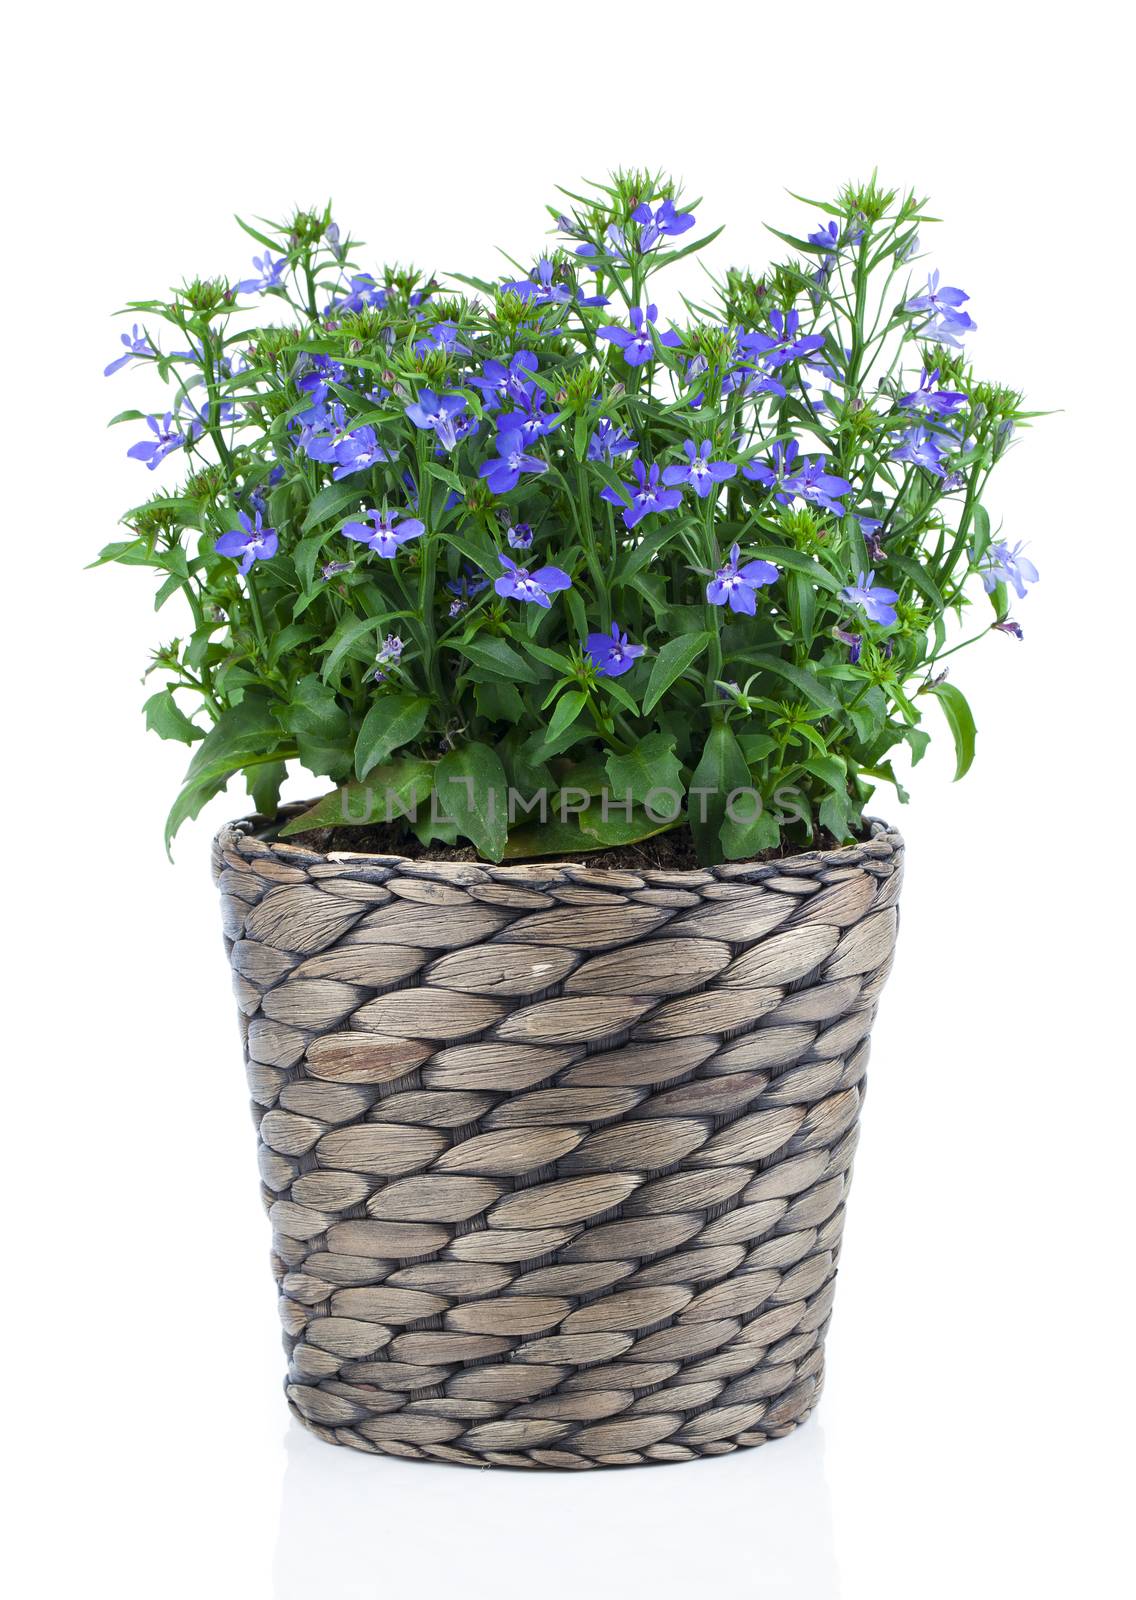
[533,565]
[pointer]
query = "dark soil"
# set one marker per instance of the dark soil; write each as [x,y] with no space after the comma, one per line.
[665,852]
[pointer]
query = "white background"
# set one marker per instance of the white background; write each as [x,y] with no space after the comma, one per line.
[975,1433]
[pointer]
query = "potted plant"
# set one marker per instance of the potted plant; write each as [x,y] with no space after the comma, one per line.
[604,612]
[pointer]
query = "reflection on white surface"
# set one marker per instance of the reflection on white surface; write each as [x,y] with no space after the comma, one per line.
[753,1524]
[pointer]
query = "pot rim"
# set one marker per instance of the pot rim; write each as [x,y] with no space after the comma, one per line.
[249,832]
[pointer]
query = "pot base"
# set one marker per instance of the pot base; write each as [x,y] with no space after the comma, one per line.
[801,1399]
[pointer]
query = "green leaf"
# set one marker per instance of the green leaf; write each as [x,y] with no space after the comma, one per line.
[499,702]
[568,708]
[348,634]
[721,769]
[321,727]
[166,718]
[587,830]
[444,475]
[960,720]
[388,792]
[652,764]
[264,786]
[676,656]
[393,720]
[330,502]
[809,685]
[471,786]
[495,655]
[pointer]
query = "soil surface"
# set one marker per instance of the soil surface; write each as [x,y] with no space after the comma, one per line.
[665,852]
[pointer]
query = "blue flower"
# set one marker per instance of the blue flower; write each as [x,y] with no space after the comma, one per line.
[519,583]
[248,543]
[137,344]
[611,653]
[443,336]
[785,343]
[364,292]
[439,413]
[642,498]
[939,402]
[359,450]
[1001,564]
[169,435]
[664,222]
[319,372]
[542,289]
[499,383]
[389,656]
[878,605]
[505,473]
[827,236]
[737,586]
[636,344]
[700,472]
[470,583]
[791,478]
[609,441]
[946,321]
[386,533]
[269,273]
[922,449]
[520,537]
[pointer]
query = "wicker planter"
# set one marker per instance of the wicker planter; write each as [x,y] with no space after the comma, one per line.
[555,1158]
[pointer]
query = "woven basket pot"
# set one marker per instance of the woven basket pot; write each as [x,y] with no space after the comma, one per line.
[555,1157]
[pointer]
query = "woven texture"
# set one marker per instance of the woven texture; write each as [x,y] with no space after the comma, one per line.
[555,1157]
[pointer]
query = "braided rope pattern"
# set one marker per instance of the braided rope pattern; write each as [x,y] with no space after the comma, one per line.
[555,1157]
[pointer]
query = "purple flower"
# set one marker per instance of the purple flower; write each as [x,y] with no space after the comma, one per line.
[137,344]
[388,656]
[878,605]
[790,477]
[1008,625]
[542,289]
[784,344]
[853,641]
[664,222]
[817,486]
[248,543]
[946,321]
[827,236]
[520,537]
[700,472]
[470,583]
[269,273]
[505,473]
[440,413]
[939,402]
[498,382]
[737,586]
[386,533]
[529,419]
[637,345]
[319,372]
[364,292]
[443,336]
[169,435]
[922,449]
[646,496]
[611,653]
[359,450]
[333,569]
[519,583]
[609,441]
[1001,564]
